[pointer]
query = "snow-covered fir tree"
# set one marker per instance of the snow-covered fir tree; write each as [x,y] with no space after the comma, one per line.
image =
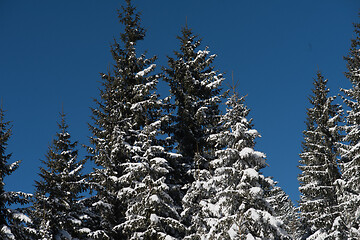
[57,211]
[319,206]
[152,213]
[128,107]
[195,91]
[350,151]
[285,210]
[194,109]
[13,222]
[232,201]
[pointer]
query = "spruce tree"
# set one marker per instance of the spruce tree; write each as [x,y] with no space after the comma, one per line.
[152,213]
[126,106]
[285,211]
[350,151]
[236,205]
[319,206]
[57,210]
[13,222]
[194,89]
[193,109]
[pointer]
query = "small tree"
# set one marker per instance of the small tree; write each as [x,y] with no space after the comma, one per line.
[57,210]
[13,222]
[319,204]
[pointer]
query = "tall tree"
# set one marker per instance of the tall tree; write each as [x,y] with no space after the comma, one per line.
[57,210]
[13,222]
[234,205]
[194,87]
[127,104]
[350,151]
[319,204]
[194,107]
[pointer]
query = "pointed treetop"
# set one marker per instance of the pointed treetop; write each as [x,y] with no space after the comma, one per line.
[233,85]
[188,43]
[62,125]
[131,19]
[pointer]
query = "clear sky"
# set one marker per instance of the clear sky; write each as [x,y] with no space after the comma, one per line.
[51,53]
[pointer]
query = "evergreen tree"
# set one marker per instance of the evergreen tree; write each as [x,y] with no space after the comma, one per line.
[236,206]
[350,151]
[152,213]
[285,211]
[13,222]
[193,215]
[319,205]
[194,88]
[57,210]
[127,104]
[193,108]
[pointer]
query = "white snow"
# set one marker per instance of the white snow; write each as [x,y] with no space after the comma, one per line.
[158,160]
[246,152]
[97,234]
[136,107]
[75,170]
[256,192]
[76,221]
[253,132]
[233,231]
[174,155]
[65,152]
[5,229]
[84,230]
[113,178]
[145,71]
[22,217]
[202,52]
[101,203]
[214,84]
[201,111]
[250,173]
[214,208]
[154,218]
[254,215]
[169,238]
[249,236]
[13,165]
[154,198]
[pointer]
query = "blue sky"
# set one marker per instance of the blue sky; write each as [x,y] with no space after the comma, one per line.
[51,53]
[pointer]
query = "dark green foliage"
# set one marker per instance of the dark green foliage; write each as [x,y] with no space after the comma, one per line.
[152,213]
[350,150]
[194,88]
[285,211]
[57,209]
[236,205]
[193,108]
[319,204]
[127,104]
[12,221]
